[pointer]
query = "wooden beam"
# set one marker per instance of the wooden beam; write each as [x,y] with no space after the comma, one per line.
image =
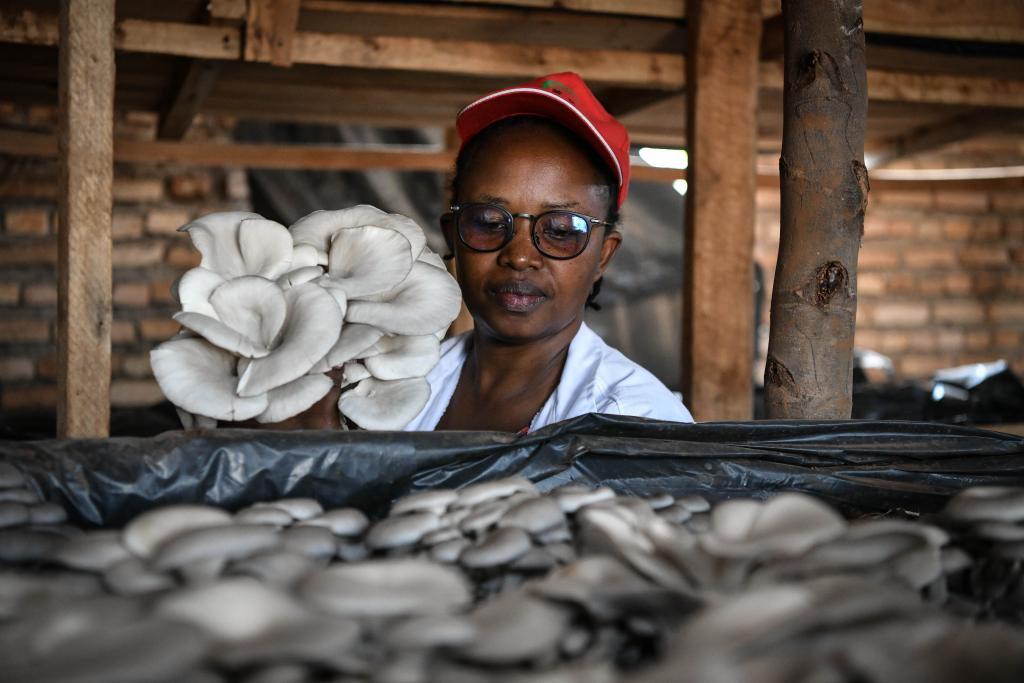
[270,30]
[935,135]
[227,10]
[188,99]
[1000,21]
[86,128]
[666,9]
[896,86]
[718,272]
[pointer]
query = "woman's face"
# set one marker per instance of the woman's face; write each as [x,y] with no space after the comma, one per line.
[516,294]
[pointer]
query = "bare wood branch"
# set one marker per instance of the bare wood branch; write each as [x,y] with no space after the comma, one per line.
[86,85]
[718,276]
[188,100]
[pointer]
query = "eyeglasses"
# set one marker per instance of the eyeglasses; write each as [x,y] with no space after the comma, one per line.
[556,234]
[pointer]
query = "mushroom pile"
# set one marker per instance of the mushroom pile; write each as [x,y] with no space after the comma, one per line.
[272,315]
[499,582]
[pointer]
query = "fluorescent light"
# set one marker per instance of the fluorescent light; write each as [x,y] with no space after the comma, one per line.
[664,158]
[982,173]
[679,186]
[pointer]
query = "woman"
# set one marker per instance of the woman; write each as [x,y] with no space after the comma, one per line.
[540,178]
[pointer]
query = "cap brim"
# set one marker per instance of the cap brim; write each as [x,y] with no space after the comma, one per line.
[533,102]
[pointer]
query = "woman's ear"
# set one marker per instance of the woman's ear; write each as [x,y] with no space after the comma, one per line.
[609,245]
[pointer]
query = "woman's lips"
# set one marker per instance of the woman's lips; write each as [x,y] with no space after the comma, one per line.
[518,296]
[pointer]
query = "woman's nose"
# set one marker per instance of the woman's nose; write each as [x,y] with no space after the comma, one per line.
[520,253]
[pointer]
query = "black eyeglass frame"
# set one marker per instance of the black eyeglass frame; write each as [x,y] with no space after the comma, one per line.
[456,209]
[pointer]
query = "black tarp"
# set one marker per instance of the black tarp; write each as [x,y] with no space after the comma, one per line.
[860,466]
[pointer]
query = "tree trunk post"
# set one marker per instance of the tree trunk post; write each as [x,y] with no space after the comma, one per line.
[824,186]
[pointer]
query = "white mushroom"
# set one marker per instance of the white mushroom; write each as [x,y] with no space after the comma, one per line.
[295,397]
[368,260]
[354,340]
[299,276]
[248,314]
[310,329]
[236,243]
[193,290]
[200,378]
[352,372]
[378,404]
[318,228]
[401,357]
[427,300]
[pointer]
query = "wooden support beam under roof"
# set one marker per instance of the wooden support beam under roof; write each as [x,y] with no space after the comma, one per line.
[189,98]
[85,203]
[949,130]
[718,272]
[270,31]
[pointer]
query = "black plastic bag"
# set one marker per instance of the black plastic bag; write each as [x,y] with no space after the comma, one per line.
[861,467]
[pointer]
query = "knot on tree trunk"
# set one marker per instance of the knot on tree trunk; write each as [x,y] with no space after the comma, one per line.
[778,375]
[815,66]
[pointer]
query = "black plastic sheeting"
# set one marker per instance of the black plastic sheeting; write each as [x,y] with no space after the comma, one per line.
[860,467]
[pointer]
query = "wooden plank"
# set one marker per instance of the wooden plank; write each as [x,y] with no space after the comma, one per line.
[227,10]
[188,100]
[269,31]
[1000,21]
[949,130]
[718,275]
[185,40]
[667,9]
[614,67]
[85,204]
[895,86]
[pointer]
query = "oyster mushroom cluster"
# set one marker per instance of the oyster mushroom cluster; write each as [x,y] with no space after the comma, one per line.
[499,582]
[272,313]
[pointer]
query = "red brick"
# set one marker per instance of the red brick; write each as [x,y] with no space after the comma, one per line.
[1013,283]
[30,188]
[984,256]
[191,186]
[28,397]
[956,283]
[138,190]
[1007,311]
[877,257]
[166,221]
[930,230]
[182,256]
[42,115]
[957,228]
[24,330]
[1017,255]
[42,253]
[138,254]
[135,392]
[893,342]
[930,285]
[160,291]
[134,365]
[16,368]
[1008,339]
[27,222]
[901,283]
[976,340]
[987,284]
[987,229]
[952,200]
[126,225]
[1013,229]
[158,329]
[46,367]
[9,292]
[40,294]
[962,312]
[122,332]
[868,339]
[131,294]
[921,366]
[871,284]
[949,340]
[1008,201]
[900,314]
[928,258]
[916,199]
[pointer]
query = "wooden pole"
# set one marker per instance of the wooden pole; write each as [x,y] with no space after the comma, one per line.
[824,188]
[718,307]
[85,141]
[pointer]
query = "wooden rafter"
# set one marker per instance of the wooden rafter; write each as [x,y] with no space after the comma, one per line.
[270,31]
[947,131]
[188,99]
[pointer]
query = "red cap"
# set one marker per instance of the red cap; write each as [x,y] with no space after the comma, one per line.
[562,97]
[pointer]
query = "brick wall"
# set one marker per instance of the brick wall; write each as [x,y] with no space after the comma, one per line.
[940,276]
[150,203]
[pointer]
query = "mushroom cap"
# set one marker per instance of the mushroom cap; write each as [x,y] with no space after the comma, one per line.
[401,357]
[311,327]
[200,378]
[368,260]
[428,300]
[294,397]
[193,290]
[318,228]
[388,405]
[236,243]
[249,313]
[354,340]
[298,276]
